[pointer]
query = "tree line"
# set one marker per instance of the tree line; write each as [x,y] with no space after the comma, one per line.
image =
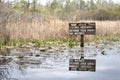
[69,9]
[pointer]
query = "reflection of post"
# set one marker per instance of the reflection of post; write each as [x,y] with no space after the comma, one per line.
[82,41]
[82,56]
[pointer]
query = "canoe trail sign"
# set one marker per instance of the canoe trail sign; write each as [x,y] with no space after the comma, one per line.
[82,29]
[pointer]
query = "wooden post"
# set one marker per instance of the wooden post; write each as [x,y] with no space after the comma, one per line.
[82,41]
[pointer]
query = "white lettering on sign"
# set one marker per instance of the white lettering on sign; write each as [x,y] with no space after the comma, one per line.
[90,64]
[90,30]
[73,24]
[83,30]
[74,30]
[86,27]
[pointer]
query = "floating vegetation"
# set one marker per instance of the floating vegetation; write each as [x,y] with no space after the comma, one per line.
[37,55]
[20,56]
[103,53]
[1,44]
[43,49]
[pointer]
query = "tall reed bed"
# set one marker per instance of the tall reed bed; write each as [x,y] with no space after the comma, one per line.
[56,29]
[38,30]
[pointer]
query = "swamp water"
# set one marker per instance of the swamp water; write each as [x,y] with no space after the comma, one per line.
[53,64]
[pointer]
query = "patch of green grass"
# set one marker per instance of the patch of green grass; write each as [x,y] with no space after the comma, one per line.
[37,43]
[106,38]
[1,44]
[72,43]
[14,42]
[49,42]
[53,42]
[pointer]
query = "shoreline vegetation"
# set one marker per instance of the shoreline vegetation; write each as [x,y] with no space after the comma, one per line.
[43,35]
[24,22]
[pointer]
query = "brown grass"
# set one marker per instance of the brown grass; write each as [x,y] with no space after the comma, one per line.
[55,29]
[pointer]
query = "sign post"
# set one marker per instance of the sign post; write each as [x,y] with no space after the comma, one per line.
[82,41]
[82,29]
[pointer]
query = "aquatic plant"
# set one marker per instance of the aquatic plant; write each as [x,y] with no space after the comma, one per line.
[71,44]
[14,42]
[1,44]
[43,49]
[103,53]
[37,55]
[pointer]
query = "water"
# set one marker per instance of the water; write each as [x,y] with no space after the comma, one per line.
[55,65]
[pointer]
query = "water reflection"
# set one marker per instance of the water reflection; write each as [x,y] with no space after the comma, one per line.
[55,66]
[9,70]
[4,72]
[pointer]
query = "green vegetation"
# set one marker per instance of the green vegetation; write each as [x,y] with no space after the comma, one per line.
[70,10]
[28,21]
[71,43]
[1,44]
[106,38]
[50,43]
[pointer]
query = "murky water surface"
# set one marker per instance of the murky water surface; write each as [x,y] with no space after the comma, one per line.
[53,64]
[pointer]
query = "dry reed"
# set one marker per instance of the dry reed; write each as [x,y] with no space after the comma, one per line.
[55,29]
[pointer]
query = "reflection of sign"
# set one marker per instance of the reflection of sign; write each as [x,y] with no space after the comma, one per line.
[82,28]
[82,65]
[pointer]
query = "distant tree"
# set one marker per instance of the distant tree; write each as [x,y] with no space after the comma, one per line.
[92,5]
[54,4]
[34,5]
[5,12]
[28,5]
[102,14]
[68,6]
[67,9]
[22,5]
[82,4]
[100,2]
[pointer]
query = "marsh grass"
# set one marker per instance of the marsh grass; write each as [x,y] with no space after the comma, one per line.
[38,30]
[1,44]
[54,32]
[47,30]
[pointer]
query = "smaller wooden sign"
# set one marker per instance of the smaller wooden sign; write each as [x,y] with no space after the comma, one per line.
[82,29]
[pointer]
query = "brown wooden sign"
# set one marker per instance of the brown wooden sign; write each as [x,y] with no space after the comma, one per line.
[82,65]
[82,29]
